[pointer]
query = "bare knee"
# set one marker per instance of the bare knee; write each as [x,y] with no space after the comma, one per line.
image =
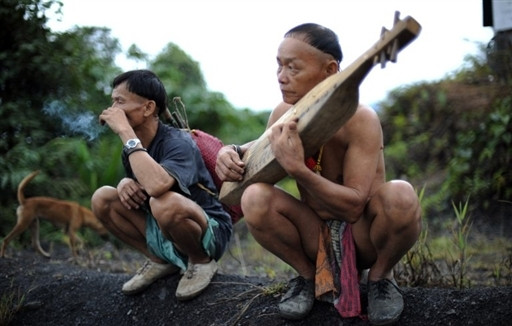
[168,209]
[101,201]
[403,195]
[255,203]
[400,204]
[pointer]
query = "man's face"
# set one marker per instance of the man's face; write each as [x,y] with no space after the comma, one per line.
[132,104]
[300,68]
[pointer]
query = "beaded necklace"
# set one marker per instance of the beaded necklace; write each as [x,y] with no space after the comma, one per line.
[315,165]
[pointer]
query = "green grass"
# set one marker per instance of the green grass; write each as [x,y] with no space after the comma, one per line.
[459,257]
[11,302]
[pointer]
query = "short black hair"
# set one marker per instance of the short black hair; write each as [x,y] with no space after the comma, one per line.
[319,37]
[144,83]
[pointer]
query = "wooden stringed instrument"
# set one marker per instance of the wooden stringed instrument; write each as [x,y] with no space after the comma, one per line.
[323,110]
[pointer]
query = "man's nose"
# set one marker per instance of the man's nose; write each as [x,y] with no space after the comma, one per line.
[282,78]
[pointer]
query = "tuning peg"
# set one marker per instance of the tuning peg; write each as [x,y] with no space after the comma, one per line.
[397,17]
[390,53]
[394,51]
[383,59]
[383,32]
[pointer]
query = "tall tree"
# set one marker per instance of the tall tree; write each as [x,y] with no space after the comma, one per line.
[206,110]
[47,81]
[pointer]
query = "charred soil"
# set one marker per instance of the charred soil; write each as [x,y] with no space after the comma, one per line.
[87,291]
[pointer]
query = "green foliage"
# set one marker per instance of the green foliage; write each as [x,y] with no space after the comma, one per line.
[483,156]
[49,97]
[85,62]
[179,73]
[137,54]
[460,232]
[74,67]
[453,135]
[208,111]
[418,267]
[29,78]
[444,259]
[502,272]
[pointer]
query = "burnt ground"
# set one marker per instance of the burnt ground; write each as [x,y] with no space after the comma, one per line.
[62,291]
[58,291]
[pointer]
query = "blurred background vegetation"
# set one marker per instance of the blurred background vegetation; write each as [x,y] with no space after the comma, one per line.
[452,137]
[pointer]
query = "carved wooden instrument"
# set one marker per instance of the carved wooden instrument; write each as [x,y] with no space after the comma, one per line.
[323,110]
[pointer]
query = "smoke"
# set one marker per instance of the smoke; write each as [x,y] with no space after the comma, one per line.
[85,123]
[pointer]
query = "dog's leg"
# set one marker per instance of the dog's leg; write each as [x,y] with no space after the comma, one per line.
[17,230]
[34,228]
[75,223]
[77,243]
[73,241]
[22,224]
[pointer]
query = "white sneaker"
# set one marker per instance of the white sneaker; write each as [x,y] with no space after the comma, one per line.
[196,279]
[146,275]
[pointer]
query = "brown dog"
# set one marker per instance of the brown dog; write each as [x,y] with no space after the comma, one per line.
[60,212]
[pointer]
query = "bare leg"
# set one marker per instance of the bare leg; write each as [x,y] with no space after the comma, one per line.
[389,228]
[183,222]
[127,225]
[283,225]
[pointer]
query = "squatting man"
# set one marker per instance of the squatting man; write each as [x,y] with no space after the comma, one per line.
[161,207]
[343,195]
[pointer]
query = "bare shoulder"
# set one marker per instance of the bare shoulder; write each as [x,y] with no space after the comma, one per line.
[366,112]
[278,111]
[365,116]
[365,121]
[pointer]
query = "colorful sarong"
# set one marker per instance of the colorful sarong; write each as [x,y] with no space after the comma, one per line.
[337,279]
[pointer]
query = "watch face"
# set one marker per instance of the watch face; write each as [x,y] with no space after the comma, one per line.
[131,143]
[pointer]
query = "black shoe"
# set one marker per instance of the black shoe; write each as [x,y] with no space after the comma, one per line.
[385,302]
[299,299]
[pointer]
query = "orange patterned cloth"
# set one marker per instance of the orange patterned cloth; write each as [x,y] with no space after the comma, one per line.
[337,279]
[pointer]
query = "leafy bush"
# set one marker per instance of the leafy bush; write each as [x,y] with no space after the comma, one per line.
[482,158]
[452,136]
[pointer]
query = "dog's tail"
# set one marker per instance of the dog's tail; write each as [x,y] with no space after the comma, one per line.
[23,183]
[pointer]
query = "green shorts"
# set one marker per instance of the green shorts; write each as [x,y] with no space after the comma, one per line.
[163,248]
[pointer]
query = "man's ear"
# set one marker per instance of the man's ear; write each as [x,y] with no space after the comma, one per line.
[332,67]
[150,108]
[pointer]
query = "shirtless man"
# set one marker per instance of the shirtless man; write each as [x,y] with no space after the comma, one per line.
[384,217]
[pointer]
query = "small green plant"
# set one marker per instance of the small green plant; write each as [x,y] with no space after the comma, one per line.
[10,303]
[502,272]
[418,266]
[460,232]
[275,289]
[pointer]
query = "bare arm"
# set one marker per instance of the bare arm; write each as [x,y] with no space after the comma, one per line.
[151,176]
[229,166]
[362,143]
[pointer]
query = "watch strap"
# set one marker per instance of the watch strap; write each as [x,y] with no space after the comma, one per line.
[133,150]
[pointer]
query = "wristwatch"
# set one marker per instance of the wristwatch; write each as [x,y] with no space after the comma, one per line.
[131,143]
